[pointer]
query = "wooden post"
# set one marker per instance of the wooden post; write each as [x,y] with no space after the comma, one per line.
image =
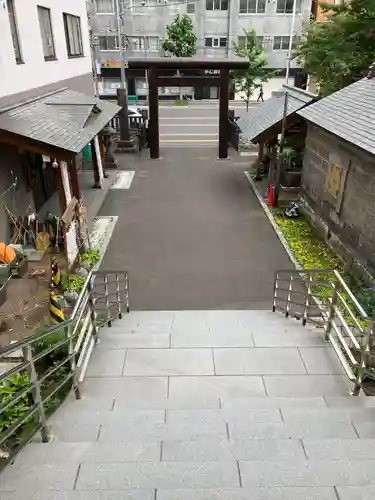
[223,113]
[76,191]
[153,124]
[60,189]
[95,166]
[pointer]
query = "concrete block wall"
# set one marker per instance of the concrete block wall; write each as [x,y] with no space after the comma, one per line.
[349,224]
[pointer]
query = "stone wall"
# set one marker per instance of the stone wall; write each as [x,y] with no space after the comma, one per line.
[338,193]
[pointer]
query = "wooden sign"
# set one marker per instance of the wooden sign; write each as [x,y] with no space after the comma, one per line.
[69,213]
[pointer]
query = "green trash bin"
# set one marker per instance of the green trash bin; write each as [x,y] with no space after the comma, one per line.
[87,153]
[132,99]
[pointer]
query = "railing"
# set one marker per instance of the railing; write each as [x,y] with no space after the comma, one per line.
[322,297]
[138,128]
[53,362]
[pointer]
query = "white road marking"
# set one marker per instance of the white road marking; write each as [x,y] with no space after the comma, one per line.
[189,135]
[123,179]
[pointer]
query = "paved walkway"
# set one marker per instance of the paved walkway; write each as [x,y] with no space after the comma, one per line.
[209,405]
[192,234]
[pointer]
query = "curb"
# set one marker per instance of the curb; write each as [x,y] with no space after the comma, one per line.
[271,219]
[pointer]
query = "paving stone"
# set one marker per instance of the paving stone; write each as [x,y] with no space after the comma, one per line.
[309,473]
[57,452]
[340,449]
[356,492]
[134,341]
[208,449]
[176,403]
[221,387]
[25,478]
[365,429]
[73,416]
[250,403]
[308,385]
[350,402]
[321,360]
[207,416]
[291,415]
[126,388]
[154,362]
[160,432]
[300,429]
[139,494]
[258,361]
[106,363]
[287,338]
[74,433]
[249,494]
[157,475]
[225,337]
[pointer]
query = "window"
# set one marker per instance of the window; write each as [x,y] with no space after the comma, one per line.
[242,40]
[14,31]
[286,6]
[252,6]
[105,6]
[190,7]
[73,35]
[108,42]
[216,42]
[216,4]
[144,43]
[282,43]
[45,24]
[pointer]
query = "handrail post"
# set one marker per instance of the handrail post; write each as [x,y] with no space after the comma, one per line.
[365,349]
[36,392]
[127,292]
[90,291]
[306,308]
[331,313]
[275,291]
[118,296]
[289,296]
[73,366]
[106,293]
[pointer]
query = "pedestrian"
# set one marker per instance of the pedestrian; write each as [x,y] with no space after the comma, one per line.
[260,96]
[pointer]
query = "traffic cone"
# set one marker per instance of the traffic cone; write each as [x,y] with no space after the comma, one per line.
[270,196]
[56,313]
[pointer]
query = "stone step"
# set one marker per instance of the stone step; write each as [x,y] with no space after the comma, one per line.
[279,493]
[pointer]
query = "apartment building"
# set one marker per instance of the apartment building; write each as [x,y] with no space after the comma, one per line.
[217,22]
[48,112]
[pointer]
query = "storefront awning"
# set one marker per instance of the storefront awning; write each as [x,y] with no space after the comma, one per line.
[270,113]
[64,119]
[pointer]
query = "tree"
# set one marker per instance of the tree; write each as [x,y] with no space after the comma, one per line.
[251,78]
[339,51]
[181,40]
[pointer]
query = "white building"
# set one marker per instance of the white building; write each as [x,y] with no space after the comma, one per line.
[47,109]
[43,46]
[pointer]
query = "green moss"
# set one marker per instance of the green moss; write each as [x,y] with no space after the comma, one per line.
[310,251]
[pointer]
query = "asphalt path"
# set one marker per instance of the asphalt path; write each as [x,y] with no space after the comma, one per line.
[197,125]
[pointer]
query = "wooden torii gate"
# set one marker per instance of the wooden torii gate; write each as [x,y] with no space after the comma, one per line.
[156,66]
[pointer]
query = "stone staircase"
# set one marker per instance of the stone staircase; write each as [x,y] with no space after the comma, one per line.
[205,405]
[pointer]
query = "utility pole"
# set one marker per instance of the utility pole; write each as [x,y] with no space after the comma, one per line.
[289,56]
[125,144]
[281,148]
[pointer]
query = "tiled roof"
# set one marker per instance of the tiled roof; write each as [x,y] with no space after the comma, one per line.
[269,113]
[348,113]
[65,119]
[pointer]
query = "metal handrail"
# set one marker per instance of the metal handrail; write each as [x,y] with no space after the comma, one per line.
[79,335]
[346,324]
